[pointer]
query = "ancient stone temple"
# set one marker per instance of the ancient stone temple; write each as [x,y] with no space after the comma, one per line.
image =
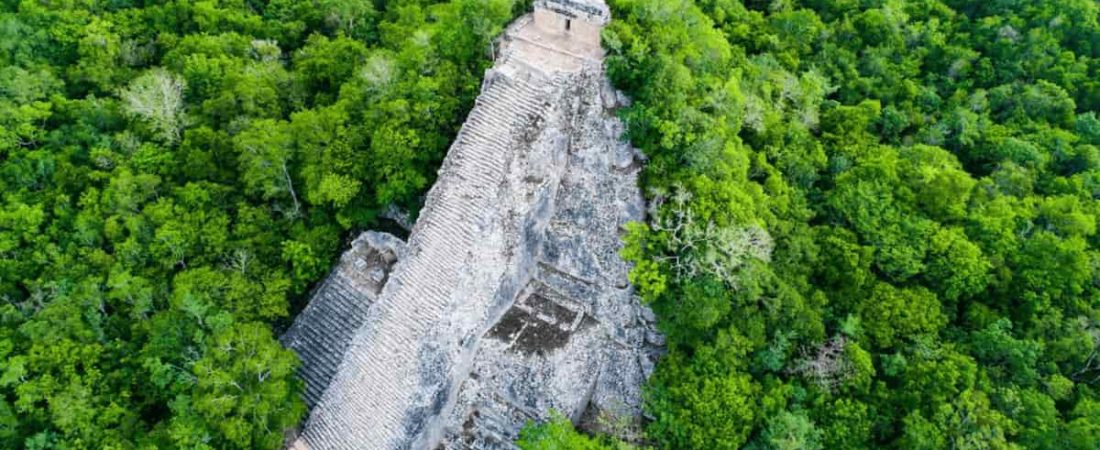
[509,299]
[578,21]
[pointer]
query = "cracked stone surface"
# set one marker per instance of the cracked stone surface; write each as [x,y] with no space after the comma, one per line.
[509,299]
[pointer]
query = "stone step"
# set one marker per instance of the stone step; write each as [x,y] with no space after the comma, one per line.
[527,103]
[479,137]
[510,112]
[489,153]
[495,122]
[495,142]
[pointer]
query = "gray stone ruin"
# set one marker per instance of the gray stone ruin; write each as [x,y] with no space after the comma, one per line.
[321,332]
[509,300]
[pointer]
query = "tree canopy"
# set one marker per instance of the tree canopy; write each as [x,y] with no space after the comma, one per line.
[873,223]
[174,175]
[911,187]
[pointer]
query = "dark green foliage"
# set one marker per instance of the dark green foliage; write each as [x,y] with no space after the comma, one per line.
[559,434]
[173,174]
[875,222]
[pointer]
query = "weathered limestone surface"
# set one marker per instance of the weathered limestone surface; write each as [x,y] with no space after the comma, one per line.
[576,339]
[509,299]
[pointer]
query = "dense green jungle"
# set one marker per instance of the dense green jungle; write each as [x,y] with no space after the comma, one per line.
[873,223]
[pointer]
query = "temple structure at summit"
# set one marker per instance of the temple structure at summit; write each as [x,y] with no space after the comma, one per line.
[509,299]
